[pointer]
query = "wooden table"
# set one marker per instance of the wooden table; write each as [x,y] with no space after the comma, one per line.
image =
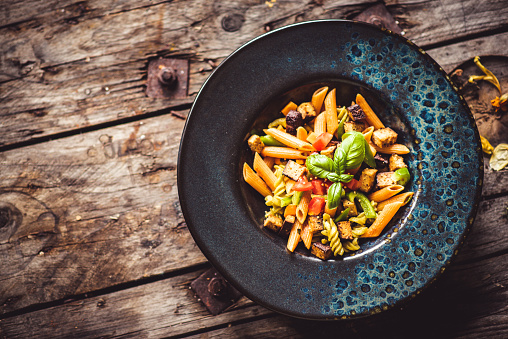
[92,239]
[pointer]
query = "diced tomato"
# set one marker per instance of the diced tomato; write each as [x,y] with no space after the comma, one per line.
[353,185]
[302,184]
[322,140]
[353,170]
[316,206]
[318,187]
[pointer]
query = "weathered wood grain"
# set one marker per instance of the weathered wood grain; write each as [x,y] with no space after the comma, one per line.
[97,209]
[454,306]
[86,65]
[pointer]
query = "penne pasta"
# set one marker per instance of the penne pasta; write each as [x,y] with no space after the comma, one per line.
[294,236]
[372,118]
[264,171]
[301,133]
[395,148]
[383,219]
[320,124]
[367,133]
[318,97]
[255,181]
[402,197]
[332,122]
[282,153]
[306,235]
[303,207]
[269,161]
[289,140]
[289,107]
[385,193]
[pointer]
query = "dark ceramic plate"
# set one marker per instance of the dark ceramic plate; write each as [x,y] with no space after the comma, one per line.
[409,91]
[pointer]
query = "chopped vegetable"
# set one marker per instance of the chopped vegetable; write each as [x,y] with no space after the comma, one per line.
[364,202]
[302,184]
[499,158]
[353,185]
[343,215]
[318,187]
[401,176]
[322,141]
[268,140]
[316,206]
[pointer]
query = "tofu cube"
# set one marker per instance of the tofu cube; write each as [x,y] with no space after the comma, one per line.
[345,231]
[321,251]
[396,162]
[293,170]
[273,222]
[367,179]
[354,126]
[315,223]
[329,151]
[385,179]
[353,211]
[287,225]
[356,112]
[255,143]
[307,110]
[384,137]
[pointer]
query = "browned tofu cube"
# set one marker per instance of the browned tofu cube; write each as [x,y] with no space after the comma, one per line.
[321,251]
[354,126]
[385,179]
[287,225]
[396,162]
[273,222]
[315,223]
[353,211]
[329,151]
[356,112]
[307,110]
[384,137]
[293,170]
[345,231]
[255,143]
[367,179]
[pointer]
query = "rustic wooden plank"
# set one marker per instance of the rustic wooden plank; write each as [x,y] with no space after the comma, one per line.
[454,306]
[67,74]
[97,209]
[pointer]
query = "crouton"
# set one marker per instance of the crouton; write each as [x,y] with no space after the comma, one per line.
[345,231]
[354,126]
[384,137]
[329,151]
[293,170]
[308,111]
[255,143]
[315,223]
[355,112]
[321,251]
[367,179]
[273,222]
[396,162]
[353,211]
[287,225]
[385,179]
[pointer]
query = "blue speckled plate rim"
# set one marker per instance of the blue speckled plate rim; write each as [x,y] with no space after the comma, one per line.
[461,238]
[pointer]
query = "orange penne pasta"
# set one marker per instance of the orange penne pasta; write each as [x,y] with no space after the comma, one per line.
[385,193]
[306,235]
[402,197]
[318,97]
[264,171]
[330,212]
[395,148]
[290,210]
[294,236]
[383,219]
[289,140]
[332,122]
[320,124]
[367,133]
[255,181]
[301,133]
[283,153]
[269,161]
[289,185]
[289,107]
[303,207]
[372,118]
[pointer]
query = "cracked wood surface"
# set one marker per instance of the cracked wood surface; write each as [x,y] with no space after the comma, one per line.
[96,211]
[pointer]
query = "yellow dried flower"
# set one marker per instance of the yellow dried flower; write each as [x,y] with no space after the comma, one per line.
[489,76]
[500,103]
[486,146]
[499,158]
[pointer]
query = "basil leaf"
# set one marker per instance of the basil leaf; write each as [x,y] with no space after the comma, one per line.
[345,177]
[334,193]
[339,160]
[319,165]
[333,177]
[354,147]
[369,157]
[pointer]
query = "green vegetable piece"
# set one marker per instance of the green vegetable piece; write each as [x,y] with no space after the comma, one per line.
[286,201]
[296,197]
[268,140]
[401,176]
[278,122]
[343,215]
[364,202]
[334,194]
[340,129]
[353,144]
[320,165]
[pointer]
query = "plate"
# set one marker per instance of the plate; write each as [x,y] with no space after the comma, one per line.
[410,93]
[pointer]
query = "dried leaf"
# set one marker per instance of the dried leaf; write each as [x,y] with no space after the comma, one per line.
[486,146]
[499,158]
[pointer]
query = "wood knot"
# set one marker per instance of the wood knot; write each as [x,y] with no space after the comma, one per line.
[232,22]
[10,215]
